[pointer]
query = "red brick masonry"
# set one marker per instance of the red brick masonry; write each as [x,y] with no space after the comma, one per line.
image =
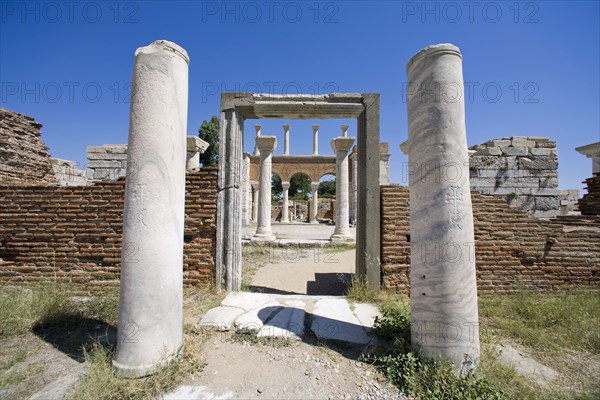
[73,233]
[512,250]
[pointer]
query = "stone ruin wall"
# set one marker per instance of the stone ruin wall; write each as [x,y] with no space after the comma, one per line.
[512,249]
[589,204]
[73,234]
[524,168]
[24,159]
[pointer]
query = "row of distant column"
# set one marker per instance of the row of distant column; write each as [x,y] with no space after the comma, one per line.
[265,146]
[286,138]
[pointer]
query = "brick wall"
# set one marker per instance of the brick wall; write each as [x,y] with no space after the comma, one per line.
[512,249]
[24,159]
[589,204]
[73,233]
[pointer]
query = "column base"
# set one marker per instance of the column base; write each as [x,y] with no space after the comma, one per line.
[263,237]
[314,222]
[140,371]
[340,238]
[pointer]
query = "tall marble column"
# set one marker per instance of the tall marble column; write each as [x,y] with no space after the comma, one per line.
[315,140]
[257,128]
[314,203]
[286,140]
[254,201]
[442,267]
[246,190]
[341,146]
[150,330]
[285,213]
[266,145]
[354,175]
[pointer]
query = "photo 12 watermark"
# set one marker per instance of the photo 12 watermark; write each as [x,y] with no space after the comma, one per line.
[54,12]
[252,12]
[453,12]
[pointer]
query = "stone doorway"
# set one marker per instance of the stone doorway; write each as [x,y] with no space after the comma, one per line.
[237,107]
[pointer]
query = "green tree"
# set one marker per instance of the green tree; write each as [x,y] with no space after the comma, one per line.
[209,132]
[299,187]
[276,188]
[327,189]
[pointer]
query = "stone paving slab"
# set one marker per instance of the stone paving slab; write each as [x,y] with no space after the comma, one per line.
[278,315]
[366,313]
[255,318]
[524,365]
[221,318]
[333,319]
[246,300]
[287,323]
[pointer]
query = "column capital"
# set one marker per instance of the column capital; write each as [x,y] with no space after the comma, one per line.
[257,128]
[286,127]
[195,145]
[342,144]
[315,128]
[266,143]
[285,185]
[314,185]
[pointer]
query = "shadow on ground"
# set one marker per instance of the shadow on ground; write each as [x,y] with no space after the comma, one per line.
[75,334]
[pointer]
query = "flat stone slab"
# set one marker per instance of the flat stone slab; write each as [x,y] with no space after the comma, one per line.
[187,392]
[246,300]
[334,320]
[287,323]
[221,318]
[524,365]
[255,319]
[366,314]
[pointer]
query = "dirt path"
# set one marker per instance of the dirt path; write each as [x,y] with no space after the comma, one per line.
[299,371]
[314,271]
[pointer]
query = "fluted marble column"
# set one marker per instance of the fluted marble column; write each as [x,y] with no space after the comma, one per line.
[285,213]
[254,201]
[315,140]
[314,202]
[341,146]
[286,140]
[150,330]
[442,272]
[266,145]
[257,128]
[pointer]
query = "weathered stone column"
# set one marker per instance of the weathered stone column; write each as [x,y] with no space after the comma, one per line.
[285,214]
[195,147]
[286,140]
[314,203]
[315,140]
[341,146]
[246,190]
[257,128]
[266,145]
[255,201]
[352,159]
[150,331]
[442,271]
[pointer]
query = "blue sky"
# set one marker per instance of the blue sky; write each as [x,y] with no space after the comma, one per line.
[533,68]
